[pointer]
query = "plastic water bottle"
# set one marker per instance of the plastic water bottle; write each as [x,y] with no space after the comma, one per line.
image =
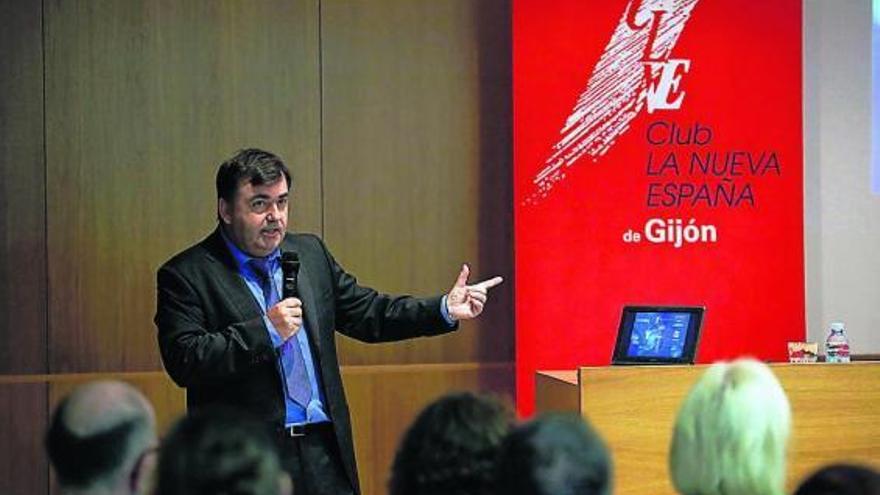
[837,344]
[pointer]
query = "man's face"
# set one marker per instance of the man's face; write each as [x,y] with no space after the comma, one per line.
[256,220]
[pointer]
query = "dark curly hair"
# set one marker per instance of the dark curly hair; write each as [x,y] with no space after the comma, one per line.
[218,451]
[451,447]
[556,454]
[842,479]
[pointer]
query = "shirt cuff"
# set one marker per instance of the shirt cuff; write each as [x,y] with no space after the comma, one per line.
[277,341]
[445,312]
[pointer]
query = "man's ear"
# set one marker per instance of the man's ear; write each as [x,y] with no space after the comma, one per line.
[224,211]
[141,480]
[285,485]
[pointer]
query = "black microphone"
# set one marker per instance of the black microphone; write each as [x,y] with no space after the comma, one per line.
[290,270]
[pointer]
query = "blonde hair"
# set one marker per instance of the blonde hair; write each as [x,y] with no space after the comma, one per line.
[731,433]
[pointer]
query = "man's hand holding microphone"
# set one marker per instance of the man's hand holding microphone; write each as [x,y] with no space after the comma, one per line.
[287,315]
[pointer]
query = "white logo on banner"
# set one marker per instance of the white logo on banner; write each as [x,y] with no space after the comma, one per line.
[674,231]
[635,71]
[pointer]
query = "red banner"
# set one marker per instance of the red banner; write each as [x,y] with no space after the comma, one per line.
[658,160]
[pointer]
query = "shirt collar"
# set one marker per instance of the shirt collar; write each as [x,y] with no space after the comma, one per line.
[242,259]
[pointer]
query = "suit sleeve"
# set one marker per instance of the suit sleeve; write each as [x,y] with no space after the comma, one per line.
[193,354]
[369,316]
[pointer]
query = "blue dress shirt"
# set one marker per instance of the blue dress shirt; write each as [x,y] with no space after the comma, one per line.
[295,413]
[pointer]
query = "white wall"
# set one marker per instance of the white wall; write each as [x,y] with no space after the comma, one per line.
[842,217]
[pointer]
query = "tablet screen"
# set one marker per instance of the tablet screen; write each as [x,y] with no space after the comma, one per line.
[658,335]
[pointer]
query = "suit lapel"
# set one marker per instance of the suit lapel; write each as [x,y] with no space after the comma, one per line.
[227,278]
[307,296]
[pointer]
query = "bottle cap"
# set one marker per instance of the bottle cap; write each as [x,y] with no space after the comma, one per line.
[838,325]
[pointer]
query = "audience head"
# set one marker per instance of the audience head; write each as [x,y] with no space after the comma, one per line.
[731,433]
[556,454]
[101,438]
[220,452]
[452,447]
[841,479]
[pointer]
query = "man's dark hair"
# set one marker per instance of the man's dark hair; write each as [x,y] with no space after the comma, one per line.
[98,434]
[256,166]
[556,454]
[452,447]
[218,451]
[842,479]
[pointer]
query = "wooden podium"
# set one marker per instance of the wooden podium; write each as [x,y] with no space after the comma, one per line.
[835,415]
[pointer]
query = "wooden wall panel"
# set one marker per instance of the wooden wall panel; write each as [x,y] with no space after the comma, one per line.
[394,116]
[22,191]
[24,467]
[384,401]
[416,159]
[143,100]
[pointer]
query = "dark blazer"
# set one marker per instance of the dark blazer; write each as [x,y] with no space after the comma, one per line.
[214,342]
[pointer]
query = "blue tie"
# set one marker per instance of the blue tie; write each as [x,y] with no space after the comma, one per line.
[292,364]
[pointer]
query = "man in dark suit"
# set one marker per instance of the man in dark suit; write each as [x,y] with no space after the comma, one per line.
[228,336]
